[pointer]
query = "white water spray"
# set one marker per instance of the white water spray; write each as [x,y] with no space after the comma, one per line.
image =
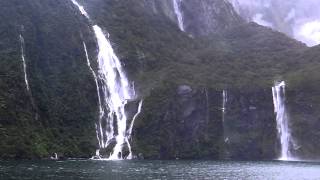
[278,92]
[115,94]
[178,12]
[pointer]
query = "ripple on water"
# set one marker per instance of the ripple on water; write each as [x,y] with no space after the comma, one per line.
[188,170]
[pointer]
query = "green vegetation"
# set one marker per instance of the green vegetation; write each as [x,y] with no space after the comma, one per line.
[156,55]
[153,50]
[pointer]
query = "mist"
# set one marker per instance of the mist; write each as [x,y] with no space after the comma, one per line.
[299,19]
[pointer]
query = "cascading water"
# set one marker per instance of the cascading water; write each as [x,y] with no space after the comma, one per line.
[134,118]
[178,12]
[224,108]
[278,92]
[116,92]
[24,63]
[129,132]
[26,77]
[224,102]
[98,125]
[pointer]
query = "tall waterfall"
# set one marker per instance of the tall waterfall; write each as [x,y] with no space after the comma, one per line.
[24,63]
[114,92]
[98,125]
[178,12]
[26,77]
[278,92]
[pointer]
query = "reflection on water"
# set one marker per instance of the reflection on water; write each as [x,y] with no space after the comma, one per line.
[85,169]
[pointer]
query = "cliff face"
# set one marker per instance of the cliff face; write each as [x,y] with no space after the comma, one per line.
[209,16]
[189,123]
[303,106]
[180,78]
[201,17]
[59,81]
[249,126]
[304,120]
[184,123]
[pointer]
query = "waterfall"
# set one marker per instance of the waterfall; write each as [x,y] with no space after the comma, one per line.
[224,102]
[114,92]
[278,92]
[26,77]
[24,63]
[224,108]
[134,118]
[101,112]
[178,12]
[129,132]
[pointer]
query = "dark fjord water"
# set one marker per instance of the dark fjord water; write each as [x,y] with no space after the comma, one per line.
[192,170]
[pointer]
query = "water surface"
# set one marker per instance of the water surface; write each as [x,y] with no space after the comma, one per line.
[113,170]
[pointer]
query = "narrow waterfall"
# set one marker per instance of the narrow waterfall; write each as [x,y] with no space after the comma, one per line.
[224,108]
[114,92]
[278,92]
[24,63]
[224,102]
[101,112]
[129,132]
[178,12]
[134,118]
[26,77]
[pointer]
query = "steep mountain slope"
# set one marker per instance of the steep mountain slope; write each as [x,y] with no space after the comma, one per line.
[245,59]
[59,78]
[303,99]
[180,78]
[199,18]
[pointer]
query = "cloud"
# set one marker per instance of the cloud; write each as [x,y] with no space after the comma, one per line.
[258,18]
[299,18]
[309,33]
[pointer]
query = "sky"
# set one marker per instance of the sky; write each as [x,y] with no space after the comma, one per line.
[299,19]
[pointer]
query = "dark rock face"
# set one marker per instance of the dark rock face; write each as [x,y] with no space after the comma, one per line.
[162,8]
[185,124]
[205,17]
[250,126]
[304,120]
[189,124]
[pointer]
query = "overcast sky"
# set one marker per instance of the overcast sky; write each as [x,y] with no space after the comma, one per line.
[297,18]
